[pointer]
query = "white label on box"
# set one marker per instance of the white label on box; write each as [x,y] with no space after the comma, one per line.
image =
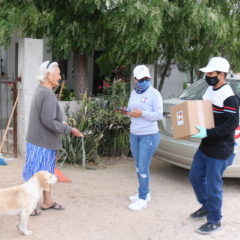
[180,118]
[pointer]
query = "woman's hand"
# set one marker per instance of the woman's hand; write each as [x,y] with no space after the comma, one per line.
[135,113]
[76,133]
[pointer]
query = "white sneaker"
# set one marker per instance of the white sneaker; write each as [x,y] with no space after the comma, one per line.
[135,197]
[138,205]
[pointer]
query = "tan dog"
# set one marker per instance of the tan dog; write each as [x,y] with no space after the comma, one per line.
[23,199]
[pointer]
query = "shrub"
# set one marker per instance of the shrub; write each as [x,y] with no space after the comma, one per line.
[106,131]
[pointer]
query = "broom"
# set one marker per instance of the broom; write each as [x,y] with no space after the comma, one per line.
[2,160]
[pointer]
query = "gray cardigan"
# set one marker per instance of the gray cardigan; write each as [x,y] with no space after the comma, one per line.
[45,121]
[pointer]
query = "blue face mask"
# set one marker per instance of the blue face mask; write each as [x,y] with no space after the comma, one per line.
[142,86]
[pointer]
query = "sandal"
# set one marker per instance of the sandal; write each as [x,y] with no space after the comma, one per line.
[35,213]
[54,206]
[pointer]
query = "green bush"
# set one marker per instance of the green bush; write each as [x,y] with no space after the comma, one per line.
[67,94]
[114,125]
[106,131]
[81,150]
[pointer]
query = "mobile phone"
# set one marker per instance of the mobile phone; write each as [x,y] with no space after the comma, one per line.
[122,110]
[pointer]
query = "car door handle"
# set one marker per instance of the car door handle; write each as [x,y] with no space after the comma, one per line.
[167,114]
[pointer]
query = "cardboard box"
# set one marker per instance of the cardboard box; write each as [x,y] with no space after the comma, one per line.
[185,116]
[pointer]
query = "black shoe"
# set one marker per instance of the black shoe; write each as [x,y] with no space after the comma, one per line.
[209,228]
[200,213]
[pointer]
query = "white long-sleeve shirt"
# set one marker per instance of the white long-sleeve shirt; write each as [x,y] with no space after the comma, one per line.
[150,102]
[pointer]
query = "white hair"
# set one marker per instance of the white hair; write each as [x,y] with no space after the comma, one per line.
[44,68]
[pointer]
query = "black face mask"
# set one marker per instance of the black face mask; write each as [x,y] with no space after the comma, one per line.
[212,81]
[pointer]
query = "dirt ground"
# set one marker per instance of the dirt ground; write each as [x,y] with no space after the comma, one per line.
[96,206]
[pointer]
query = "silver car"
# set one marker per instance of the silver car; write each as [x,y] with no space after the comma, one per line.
[181,152]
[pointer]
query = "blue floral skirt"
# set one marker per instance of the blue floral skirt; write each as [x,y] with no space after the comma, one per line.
[38,159]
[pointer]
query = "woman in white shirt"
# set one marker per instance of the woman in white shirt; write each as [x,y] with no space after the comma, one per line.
[144,109]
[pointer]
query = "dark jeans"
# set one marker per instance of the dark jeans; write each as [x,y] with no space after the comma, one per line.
[206,178]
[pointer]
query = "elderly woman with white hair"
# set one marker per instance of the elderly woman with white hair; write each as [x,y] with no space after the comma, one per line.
[45,129]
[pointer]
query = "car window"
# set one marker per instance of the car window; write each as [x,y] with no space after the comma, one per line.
[235,84]
[196,90]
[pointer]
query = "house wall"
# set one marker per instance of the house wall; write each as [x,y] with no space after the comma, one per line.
[28,65]
[7,70]
[47,56]
[3,57]
[173,84]
[11,57]
[5,105]
[5,91]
